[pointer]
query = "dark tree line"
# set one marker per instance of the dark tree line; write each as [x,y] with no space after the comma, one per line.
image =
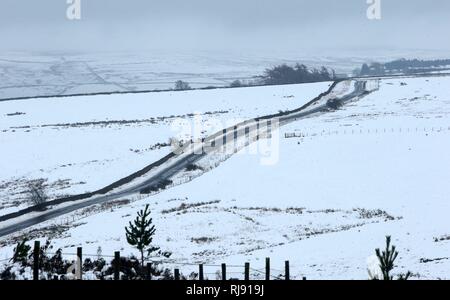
[284,74]
[402,64]
[406,66]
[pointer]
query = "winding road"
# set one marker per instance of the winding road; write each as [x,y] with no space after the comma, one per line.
[190,155]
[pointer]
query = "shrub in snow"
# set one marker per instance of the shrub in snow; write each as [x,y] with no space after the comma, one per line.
[21,252]
[181,85]
[36,192]
[193,167]
[236,83]
[53,265]
[159,186]
[334,103]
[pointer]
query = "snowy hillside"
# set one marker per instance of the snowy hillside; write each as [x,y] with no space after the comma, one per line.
[341,182]
[95,140]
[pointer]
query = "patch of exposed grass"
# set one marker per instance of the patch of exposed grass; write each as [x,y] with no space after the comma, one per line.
[204,240]
[186,206]
[442,238]
[373,213]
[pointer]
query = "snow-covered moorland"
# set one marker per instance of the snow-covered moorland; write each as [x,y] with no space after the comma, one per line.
[343,181]
[80,144]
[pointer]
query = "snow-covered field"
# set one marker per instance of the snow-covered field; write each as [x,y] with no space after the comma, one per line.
[31,74]
[343,180]
[28,74]
[81,144]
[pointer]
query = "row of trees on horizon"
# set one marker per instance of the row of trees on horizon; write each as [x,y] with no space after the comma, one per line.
[403,66]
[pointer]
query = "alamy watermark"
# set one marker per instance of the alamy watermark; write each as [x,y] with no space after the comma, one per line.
[76,269]
[73,11]
[200,135]
[374,9]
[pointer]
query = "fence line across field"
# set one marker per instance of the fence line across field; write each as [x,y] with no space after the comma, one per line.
[165,261]
[305,133]
[221,271]
[159,261]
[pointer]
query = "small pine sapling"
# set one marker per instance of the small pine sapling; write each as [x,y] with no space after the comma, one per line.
[387,259]
[140,234]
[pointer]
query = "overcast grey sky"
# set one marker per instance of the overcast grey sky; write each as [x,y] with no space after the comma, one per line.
[227,24]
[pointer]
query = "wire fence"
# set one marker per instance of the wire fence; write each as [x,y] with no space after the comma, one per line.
[195,270]
[361,131]
[46,255]
[5,259]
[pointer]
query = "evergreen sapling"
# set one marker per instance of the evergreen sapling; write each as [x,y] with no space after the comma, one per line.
[140,234]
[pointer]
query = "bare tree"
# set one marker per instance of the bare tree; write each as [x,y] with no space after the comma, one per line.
[36,192]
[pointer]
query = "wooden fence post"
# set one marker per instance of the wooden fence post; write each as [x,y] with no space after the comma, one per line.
[200,272]
[224,272]
[286,270]
[79,270]
[117,265]
[37,248]
[149,271]
[247,271]
[177,274]
[267,268]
